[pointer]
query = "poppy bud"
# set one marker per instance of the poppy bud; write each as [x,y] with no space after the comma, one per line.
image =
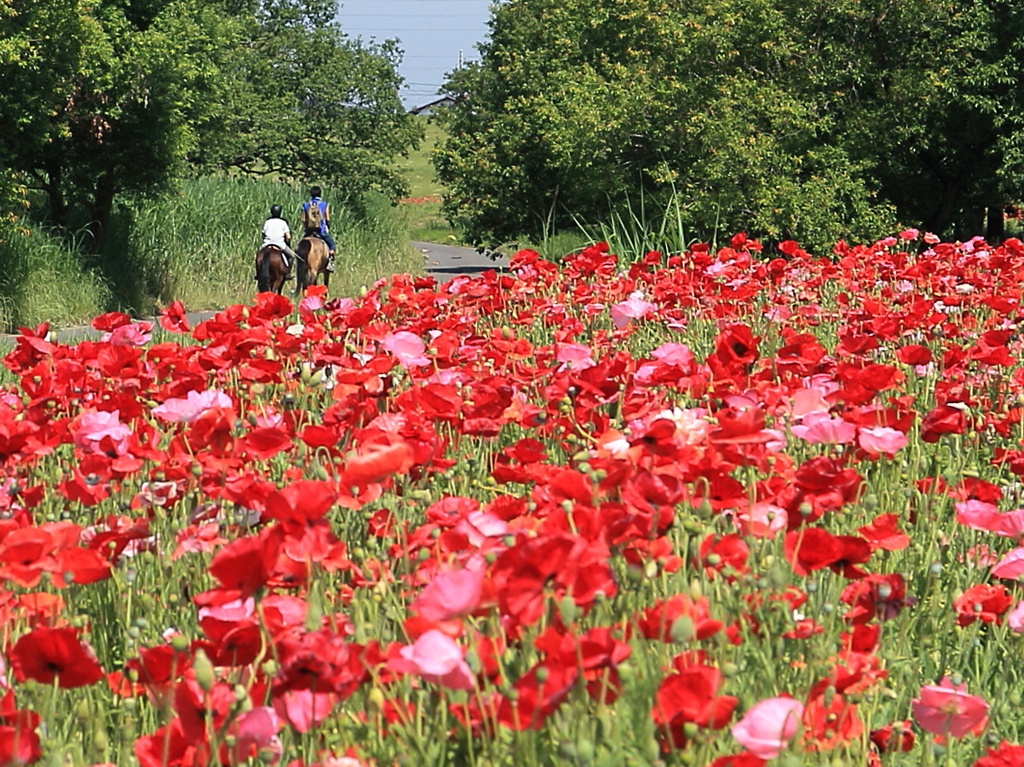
[179,643]
[696,592]
[542,674]
[204,671]
[585,750]
[682,630]
[99,740]
[567,610]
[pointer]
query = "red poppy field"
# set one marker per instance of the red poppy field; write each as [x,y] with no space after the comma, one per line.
[716,508]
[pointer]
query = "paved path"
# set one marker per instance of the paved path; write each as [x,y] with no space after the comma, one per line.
[445,262]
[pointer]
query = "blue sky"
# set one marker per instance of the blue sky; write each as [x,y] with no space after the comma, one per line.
[432,33]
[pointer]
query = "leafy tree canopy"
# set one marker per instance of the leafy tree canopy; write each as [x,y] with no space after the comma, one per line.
[812,119]
[112,98]
[310,103]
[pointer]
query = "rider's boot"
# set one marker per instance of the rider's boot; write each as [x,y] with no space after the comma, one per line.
[330,261]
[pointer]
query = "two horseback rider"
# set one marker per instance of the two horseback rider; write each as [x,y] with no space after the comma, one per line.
[316,221]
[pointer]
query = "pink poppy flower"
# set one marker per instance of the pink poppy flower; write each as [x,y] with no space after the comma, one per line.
[766,728]
[633,308]
[304,709]
[762,520]
[574,356]
[407,347]
[811,400]
[136,334]
[1011,566]
[195,403]
[882,439]
[678,355]
[101,432]
[437,658]
[1015,618]
[450,595]
[255,731]
[946,709]
[478,526]
[820,428]
[979,515]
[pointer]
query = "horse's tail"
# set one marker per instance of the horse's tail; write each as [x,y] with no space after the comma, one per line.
[302,268]
[264,273]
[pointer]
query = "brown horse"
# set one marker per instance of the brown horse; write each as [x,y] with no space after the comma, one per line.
[270,269]
[313,253]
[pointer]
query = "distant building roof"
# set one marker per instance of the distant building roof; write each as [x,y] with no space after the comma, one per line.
[426,108]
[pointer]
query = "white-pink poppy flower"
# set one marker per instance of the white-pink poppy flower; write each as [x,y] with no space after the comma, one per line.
[437,658]
[881,439]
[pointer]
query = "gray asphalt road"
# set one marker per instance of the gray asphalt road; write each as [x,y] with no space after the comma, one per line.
[445,262]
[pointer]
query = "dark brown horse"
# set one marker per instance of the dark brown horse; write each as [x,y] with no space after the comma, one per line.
[313,253]
[270,269]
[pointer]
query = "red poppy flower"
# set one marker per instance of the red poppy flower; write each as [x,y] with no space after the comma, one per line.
[1005,754]
[943,419]
[897,736]
[243,567]
[377,463]
[830,726]
[691,696]
[45,654]
[173,320]
[984,603]
[656,621]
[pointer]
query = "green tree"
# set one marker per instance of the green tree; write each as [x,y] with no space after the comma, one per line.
[309,103]
[101,99]
[787,118]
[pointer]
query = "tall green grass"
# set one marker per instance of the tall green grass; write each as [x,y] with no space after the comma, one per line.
[195,245]
[43,280]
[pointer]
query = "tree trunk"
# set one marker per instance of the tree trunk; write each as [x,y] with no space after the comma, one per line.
[102,204]
[55,196]
[942,216]
[995,231]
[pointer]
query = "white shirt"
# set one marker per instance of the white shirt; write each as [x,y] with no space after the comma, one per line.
[274,231]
